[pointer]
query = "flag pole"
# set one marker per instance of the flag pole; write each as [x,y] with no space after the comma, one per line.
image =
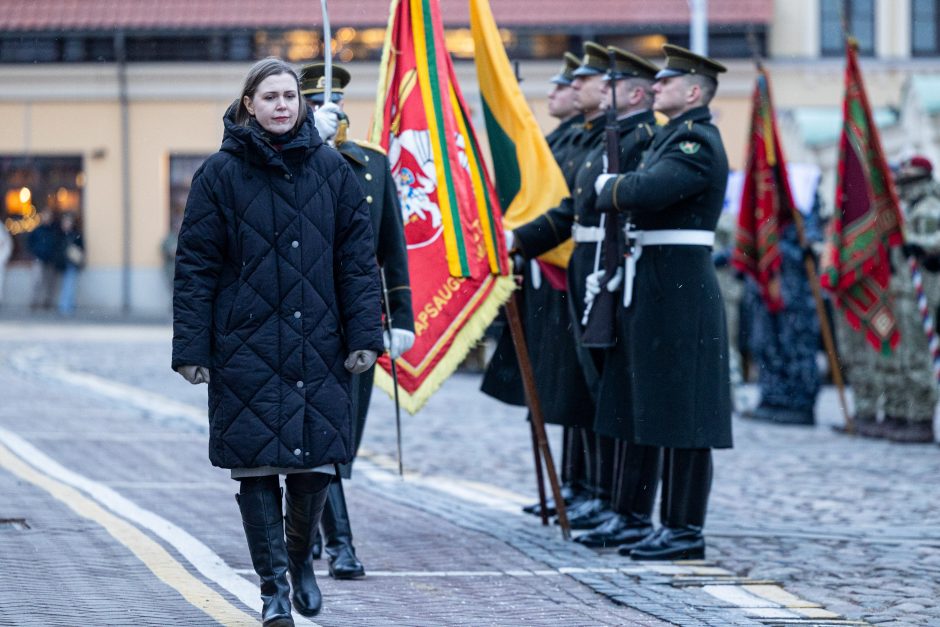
[327,55]
[812,276]
[538,421]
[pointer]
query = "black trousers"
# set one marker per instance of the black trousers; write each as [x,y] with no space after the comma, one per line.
[636,477]
[687,481]
[572,459]
[598,463]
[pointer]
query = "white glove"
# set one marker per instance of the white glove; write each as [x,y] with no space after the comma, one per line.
[602,181]
[595,280]
[615,282]
[194,374]
[326,119]
[360,361]
[400,343]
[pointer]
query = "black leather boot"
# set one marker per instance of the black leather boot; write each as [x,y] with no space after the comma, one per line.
[263,521]
[680,543]
[317,545]
[338,535]
[619,529]
[687,477]
[304,509]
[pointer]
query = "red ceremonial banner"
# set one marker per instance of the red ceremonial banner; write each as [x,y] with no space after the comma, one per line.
[457,259]
[866,223]
[766,201]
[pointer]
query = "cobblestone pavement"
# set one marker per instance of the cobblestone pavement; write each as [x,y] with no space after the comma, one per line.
[846,525]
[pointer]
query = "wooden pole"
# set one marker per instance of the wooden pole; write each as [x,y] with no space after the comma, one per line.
[538,422]
[824,328]
[539,478]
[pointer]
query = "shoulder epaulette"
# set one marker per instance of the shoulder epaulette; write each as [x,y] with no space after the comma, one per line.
[370,146]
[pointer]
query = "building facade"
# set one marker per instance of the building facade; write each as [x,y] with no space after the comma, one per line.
[111,106]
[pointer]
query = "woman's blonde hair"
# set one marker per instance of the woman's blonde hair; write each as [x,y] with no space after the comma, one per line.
[272,66]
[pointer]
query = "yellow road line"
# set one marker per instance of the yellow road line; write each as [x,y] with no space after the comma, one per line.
[154,556]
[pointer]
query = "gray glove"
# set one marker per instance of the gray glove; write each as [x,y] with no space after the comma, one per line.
[399,343]
[360,361]
[326,119]
[194,374]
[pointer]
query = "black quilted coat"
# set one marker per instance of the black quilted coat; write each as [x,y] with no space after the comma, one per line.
[276,282]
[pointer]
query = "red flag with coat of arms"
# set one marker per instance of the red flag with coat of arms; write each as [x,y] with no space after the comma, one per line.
[457,259]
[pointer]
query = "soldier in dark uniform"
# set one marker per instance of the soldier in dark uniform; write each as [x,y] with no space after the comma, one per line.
[577,217]
[370,164]
[563,392]
[674,389]
[562,106]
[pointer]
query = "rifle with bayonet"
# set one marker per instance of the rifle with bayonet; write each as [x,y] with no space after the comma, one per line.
[600,314]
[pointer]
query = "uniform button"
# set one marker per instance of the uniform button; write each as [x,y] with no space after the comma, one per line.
[300,384]
[297,452]
[295,244]
[296,314]
[367,158]
[368,199]
[587,164]
[578,191]
[287,176]
[368,176]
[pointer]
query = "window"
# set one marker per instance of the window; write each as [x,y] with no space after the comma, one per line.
[182,169]
[33,184]
[925,16]
[859,19]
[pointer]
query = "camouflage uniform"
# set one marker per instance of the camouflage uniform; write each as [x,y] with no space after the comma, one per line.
[903,381]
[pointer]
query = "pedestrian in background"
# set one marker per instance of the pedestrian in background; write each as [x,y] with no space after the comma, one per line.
[6,249]
[370,165]
[42,244]
[69,260]
[276,304]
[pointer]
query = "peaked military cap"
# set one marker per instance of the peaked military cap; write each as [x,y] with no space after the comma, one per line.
[682,61]
[594,61]
[629,65]
[566,75]
[313,80]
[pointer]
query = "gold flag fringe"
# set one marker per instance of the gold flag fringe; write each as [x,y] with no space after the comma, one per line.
[466,339]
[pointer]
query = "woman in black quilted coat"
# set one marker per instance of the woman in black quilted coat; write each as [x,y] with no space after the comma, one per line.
[275,305]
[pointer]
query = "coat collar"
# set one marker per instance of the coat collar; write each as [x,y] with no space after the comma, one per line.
[353,152]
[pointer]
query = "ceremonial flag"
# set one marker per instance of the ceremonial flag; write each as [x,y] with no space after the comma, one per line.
[528,179]
[867,220]
[766,200]
[456,251]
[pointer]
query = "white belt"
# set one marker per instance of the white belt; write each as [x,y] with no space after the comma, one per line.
[586,234]
[673,237]
[664,237]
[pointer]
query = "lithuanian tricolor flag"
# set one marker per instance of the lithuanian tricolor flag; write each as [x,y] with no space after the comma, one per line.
[456,252]
[528,178]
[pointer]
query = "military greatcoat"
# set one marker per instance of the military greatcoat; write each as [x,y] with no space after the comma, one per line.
[636,133]
[563,391]
[675,390]
[370,165]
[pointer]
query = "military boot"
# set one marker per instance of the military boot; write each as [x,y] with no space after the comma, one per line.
[263,521]
[619,529]
[906,431]
[338,535]
[869,427]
